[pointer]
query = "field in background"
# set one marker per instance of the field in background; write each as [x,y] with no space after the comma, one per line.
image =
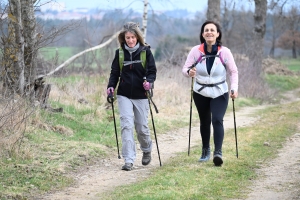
[63,53]
[292,64]
[91,60]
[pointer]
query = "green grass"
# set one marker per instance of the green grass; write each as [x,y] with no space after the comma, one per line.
[63,53]
[292,64]
[84,130]
[243,102]
[184,178]
[283,83]
[44,167]
[30,174]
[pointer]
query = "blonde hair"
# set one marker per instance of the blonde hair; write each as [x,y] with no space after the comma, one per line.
[133,28]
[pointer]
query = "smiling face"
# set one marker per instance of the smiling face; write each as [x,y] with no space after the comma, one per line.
[210,34]
[130,39]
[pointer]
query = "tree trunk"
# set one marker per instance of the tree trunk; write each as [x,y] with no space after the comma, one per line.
[272,50]
[13,61]
[255,52]
[213,10]
[258,37]
[145,19]
[20,51]
[30,49]
[42,94]
[294,49]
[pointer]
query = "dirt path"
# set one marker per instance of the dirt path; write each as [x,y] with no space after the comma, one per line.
[280,179]
[107,175]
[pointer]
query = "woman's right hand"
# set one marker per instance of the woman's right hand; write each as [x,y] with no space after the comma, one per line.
[192,72]
[110,91]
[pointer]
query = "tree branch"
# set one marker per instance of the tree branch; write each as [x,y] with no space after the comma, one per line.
[67,62]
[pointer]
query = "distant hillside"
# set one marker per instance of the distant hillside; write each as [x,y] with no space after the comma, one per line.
[81,13]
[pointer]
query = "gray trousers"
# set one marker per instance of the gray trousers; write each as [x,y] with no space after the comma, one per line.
[134,112]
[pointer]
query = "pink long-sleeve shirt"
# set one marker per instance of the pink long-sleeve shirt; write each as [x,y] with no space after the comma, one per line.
[218,72]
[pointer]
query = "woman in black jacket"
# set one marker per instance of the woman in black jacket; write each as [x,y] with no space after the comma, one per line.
[135,78]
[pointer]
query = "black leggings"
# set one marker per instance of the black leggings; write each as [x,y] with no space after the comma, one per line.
[211,111]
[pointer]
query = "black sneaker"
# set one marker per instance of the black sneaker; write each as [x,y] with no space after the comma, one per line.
[146,158]
[205,155]
[127,167]
[218,158]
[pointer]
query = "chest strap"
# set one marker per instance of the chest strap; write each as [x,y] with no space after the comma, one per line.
[131,62]
[208,85]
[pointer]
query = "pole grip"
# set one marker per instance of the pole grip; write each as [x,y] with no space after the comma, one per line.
[110,97]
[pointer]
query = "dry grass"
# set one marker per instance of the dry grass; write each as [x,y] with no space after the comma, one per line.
[13,121]
[171,94]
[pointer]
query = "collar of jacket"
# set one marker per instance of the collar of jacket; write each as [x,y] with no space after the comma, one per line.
[202,46]
[141,47]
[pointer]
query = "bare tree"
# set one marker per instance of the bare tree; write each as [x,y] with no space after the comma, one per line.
[213,10]
[282,20]
[145,19]
[255,52]
[30,47]
[17,72]
[20,44]
[228,21]
[259,31]
[13,60]
[291,38]
[276,30]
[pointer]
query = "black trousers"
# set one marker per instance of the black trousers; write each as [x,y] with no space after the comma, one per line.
[211,111]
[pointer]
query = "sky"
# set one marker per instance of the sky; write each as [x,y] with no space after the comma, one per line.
[190,5]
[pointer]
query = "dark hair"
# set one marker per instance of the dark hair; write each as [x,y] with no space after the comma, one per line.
[202,40]
[133,28]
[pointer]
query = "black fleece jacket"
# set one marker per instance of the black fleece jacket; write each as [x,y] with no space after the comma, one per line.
[131,78]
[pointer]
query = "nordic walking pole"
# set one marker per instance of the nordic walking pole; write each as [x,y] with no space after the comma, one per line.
[148,95]
[110,99]
[190,126]
[190,115]
[236,144]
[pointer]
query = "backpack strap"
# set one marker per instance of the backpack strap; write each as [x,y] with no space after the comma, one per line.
[199,59]
[222,60]
[201,49]
[143,58]
[121,58]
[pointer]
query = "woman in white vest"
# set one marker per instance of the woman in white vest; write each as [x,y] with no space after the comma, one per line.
[208,63]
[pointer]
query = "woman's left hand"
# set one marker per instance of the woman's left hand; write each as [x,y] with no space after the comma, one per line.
[233,94]
[147,86]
